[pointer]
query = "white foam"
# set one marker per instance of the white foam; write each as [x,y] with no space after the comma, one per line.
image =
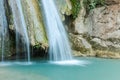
[5,64]
[2,64]
[71,62]
[24,63]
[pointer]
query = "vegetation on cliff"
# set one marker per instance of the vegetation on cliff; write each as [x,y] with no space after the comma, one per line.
[91,4]
[75,7]
[88,4]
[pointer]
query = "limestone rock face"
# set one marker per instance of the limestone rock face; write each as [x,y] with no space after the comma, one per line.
[80,44]
[64,7]
[105,28]
[34,22]
[110,2]
[105,22]
[35,27]
[105,45]
[102,28]
[79,26]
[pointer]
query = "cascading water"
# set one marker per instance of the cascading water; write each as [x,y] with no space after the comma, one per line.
[21,28]
[59,49]
[3,29]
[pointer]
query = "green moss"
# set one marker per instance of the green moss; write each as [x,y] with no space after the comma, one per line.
[44,46]
[37,46]
[75,7]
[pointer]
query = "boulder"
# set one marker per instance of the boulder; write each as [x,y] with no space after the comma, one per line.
[80,45]
[105,45]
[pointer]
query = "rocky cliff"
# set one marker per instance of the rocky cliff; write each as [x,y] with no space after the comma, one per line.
[35,28]
[98,33]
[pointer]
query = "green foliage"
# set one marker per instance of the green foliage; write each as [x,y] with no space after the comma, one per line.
[91,4]
[75,7]
[37,46]
[88,4]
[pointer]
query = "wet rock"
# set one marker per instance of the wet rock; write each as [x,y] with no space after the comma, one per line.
[34,22]
[35,28]
[64,7]
[105,45]
[107,54]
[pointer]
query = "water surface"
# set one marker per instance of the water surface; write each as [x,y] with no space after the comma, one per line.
[87,69]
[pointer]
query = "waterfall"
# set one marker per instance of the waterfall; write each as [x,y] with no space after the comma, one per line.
[3,29]
[59,48]
[21,29]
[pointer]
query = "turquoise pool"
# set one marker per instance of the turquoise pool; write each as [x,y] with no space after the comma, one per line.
[86,69]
